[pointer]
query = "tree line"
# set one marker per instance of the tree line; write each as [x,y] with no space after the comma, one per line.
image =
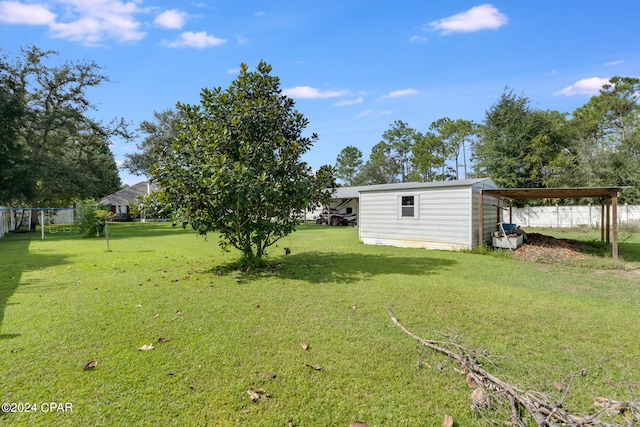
[52,153]
[516,145]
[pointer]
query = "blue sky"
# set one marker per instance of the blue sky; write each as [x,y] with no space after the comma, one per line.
[353,67]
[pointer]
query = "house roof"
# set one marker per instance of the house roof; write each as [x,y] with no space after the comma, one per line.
[126,195]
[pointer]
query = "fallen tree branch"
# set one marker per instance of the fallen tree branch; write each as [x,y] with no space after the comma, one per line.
[543,412]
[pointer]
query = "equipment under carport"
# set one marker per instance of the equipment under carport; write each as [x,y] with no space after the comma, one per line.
[508,236]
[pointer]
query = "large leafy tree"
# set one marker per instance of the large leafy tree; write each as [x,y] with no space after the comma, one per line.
[159,134]
[12,156]
[65,154]
[428,158]
[603,135]
[509,139]
[381,168]
[235,166]
[348,164]
[399,139]
[390,159]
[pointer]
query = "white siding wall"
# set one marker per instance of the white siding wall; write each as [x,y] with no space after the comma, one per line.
[444,216]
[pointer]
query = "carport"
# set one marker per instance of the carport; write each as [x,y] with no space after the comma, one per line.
[607,195]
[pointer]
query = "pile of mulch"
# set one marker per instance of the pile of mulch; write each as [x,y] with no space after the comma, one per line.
[549,249]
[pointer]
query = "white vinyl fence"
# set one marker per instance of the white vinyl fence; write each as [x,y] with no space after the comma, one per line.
[52,220]
[569,216]
[5,222]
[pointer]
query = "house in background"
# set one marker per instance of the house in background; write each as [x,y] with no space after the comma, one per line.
[119,202]
[433,215]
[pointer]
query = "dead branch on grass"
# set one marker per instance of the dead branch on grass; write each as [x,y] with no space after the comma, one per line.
[524,404]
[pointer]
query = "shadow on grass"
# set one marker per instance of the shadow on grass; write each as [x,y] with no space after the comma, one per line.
[15,259]
[325,267]
[627,251]
[630,252]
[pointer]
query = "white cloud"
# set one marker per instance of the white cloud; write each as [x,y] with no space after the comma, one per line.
[358,100]
[233,70]
[367,113]
[260,13]
[312,93]
[477,18]
[620,61]
[88,22]
[198,40]
[418,39]
[402,92]
[14,12]
[173,19]
[590,86]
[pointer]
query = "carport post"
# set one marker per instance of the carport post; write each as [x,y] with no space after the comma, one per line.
[608,234]
[602,220]
[480,220]
[510,211]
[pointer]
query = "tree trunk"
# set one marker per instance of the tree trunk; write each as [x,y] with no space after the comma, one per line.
[33,222]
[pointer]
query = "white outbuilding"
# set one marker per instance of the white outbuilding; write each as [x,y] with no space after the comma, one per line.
[433,215]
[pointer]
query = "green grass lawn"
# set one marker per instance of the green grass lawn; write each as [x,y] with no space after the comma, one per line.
[66,300]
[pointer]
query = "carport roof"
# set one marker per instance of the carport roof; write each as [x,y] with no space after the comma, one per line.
[554,193]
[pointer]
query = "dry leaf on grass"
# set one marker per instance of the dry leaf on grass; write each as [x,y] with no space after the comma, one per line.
[315,367]
[258,394]
[354,307]
[90,365]
[146,347]
[480,398]
[15,350]
[448,421]
[471,382]
[358,424]
[558,386]
[179,312]
[163,339]
[253,395]
[304,345]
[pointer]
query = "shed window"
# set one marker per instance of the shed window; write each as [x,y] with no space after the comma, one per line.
[408,207]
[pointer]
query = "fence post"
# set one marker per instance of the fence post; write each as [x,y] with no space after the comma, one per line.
[626,210]
[2,222]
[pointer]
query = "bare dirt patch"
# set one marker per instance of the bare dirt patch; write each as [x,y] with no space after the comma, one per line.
[550,249]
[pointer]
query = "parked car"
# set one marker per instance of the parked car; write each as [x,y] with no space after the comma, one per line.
[336,218]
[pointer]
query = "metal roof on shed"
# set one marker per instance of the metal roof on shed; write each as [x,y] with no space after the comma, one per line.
[421,185]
